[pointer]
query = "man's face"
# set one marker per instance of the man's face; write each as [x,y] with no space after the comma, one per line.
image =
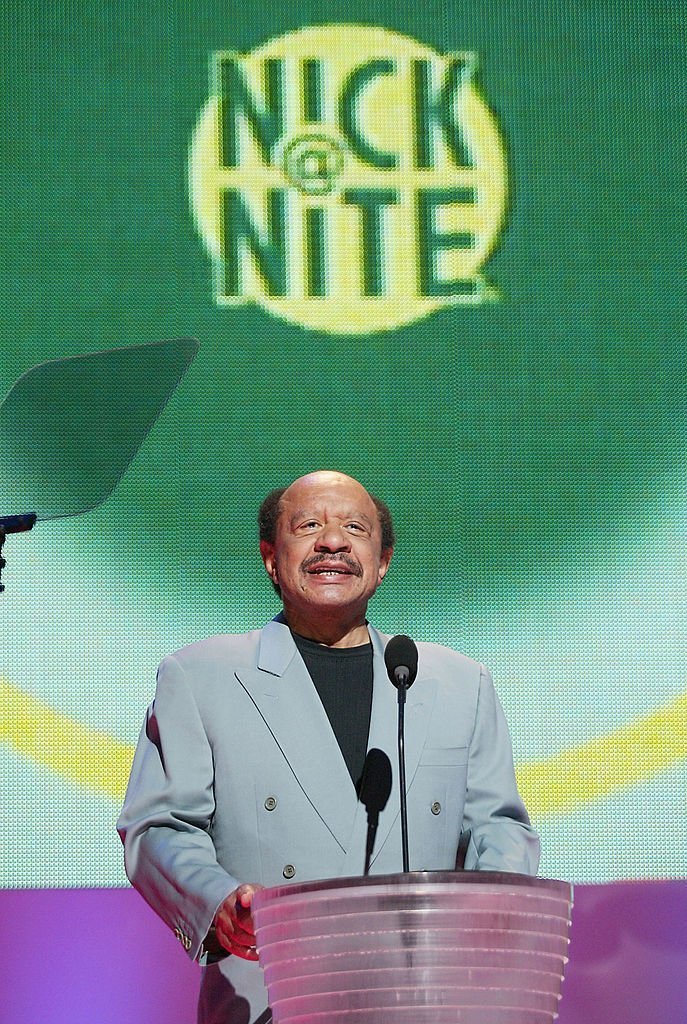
[327,556]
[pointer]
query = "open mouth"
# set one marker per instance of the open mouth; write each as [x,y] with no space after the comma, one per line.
[332,567]
[323,571]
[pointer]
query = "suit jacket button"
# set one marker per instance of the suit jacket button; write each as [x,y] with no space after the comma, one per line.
[289,871]
[270,803]
[436,807]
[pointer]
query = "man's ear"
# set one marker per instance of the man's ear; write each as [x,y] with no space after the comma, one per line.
[385,562]
[267,555]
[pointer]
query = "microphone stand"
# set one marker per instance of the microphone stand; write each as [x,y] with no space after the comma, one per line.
[400,658]
[370,843]
[402,690]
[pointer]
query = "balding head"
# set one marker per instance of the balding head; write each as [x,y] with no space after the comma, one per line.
[271,507]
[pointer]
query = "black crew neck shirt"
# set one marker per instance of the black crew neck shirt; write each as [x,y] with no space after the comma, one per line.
[343,680]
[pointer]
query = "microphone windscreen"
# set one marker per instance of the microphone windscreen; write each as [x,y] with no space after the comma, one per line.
[375,782]
[400,658]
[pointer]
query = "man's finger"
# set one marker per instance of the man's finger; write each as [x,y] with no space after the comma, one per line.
[245,952]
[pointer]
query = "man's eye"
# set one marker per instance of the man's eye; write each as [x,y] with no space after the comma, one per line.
[355,526]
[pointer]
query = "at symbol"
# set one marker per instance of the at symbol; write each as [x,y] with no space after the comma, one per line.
[313,163]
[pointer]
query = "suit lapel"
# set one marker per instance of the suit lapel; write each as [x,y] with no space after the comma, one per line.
[285,696]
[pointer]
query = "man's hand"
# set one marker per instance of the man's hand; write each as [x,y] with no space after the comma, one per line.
[234,922]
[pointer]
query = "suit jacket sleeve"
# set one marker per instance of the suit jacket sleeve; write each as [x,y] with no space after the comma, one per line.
[166,819]
[501,836]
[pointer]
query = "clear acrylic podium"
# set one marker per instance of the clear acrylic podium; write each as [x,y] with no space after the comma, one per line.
[419,948]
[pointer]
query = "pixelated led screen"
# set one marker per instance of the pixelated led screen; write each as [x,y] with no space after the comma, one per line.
[437,246]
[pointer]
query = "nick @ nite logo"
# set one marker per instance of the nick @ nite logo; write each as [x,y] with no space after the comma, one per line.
[348,179]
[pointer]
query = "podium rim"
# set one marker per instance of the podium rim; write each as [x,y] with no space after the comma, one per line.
[420,879]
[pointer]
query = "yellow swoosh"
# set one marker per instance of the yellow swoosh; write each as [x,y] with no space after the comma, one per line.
[600,767]
[607,764]
[74,751]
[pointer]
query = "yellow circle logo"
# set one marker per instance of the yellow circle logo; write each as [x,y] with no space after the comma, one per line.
[348,179]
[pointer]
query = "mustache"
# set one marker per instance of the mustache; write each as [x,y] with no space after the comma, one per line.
[315,561]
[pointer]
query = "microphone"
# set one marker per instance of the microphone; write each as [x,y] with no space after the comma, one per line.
[400,658]
[373,793]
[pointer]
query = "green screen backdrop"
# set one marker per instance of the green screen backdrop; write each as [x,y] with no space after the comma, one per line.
[437,246]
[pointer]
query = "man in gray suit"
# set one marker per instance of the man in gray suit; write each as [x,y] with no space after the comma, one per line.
[246,769]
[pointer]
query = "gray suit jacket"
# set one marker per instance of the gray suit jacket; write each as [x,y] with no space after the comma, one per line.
[238,777]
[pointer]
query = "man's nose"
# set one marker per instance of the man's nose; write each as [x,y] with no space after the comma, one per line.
[332,538]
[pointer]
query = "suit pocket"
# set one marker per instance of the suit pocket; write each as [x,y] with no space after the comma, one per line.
[443,757]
